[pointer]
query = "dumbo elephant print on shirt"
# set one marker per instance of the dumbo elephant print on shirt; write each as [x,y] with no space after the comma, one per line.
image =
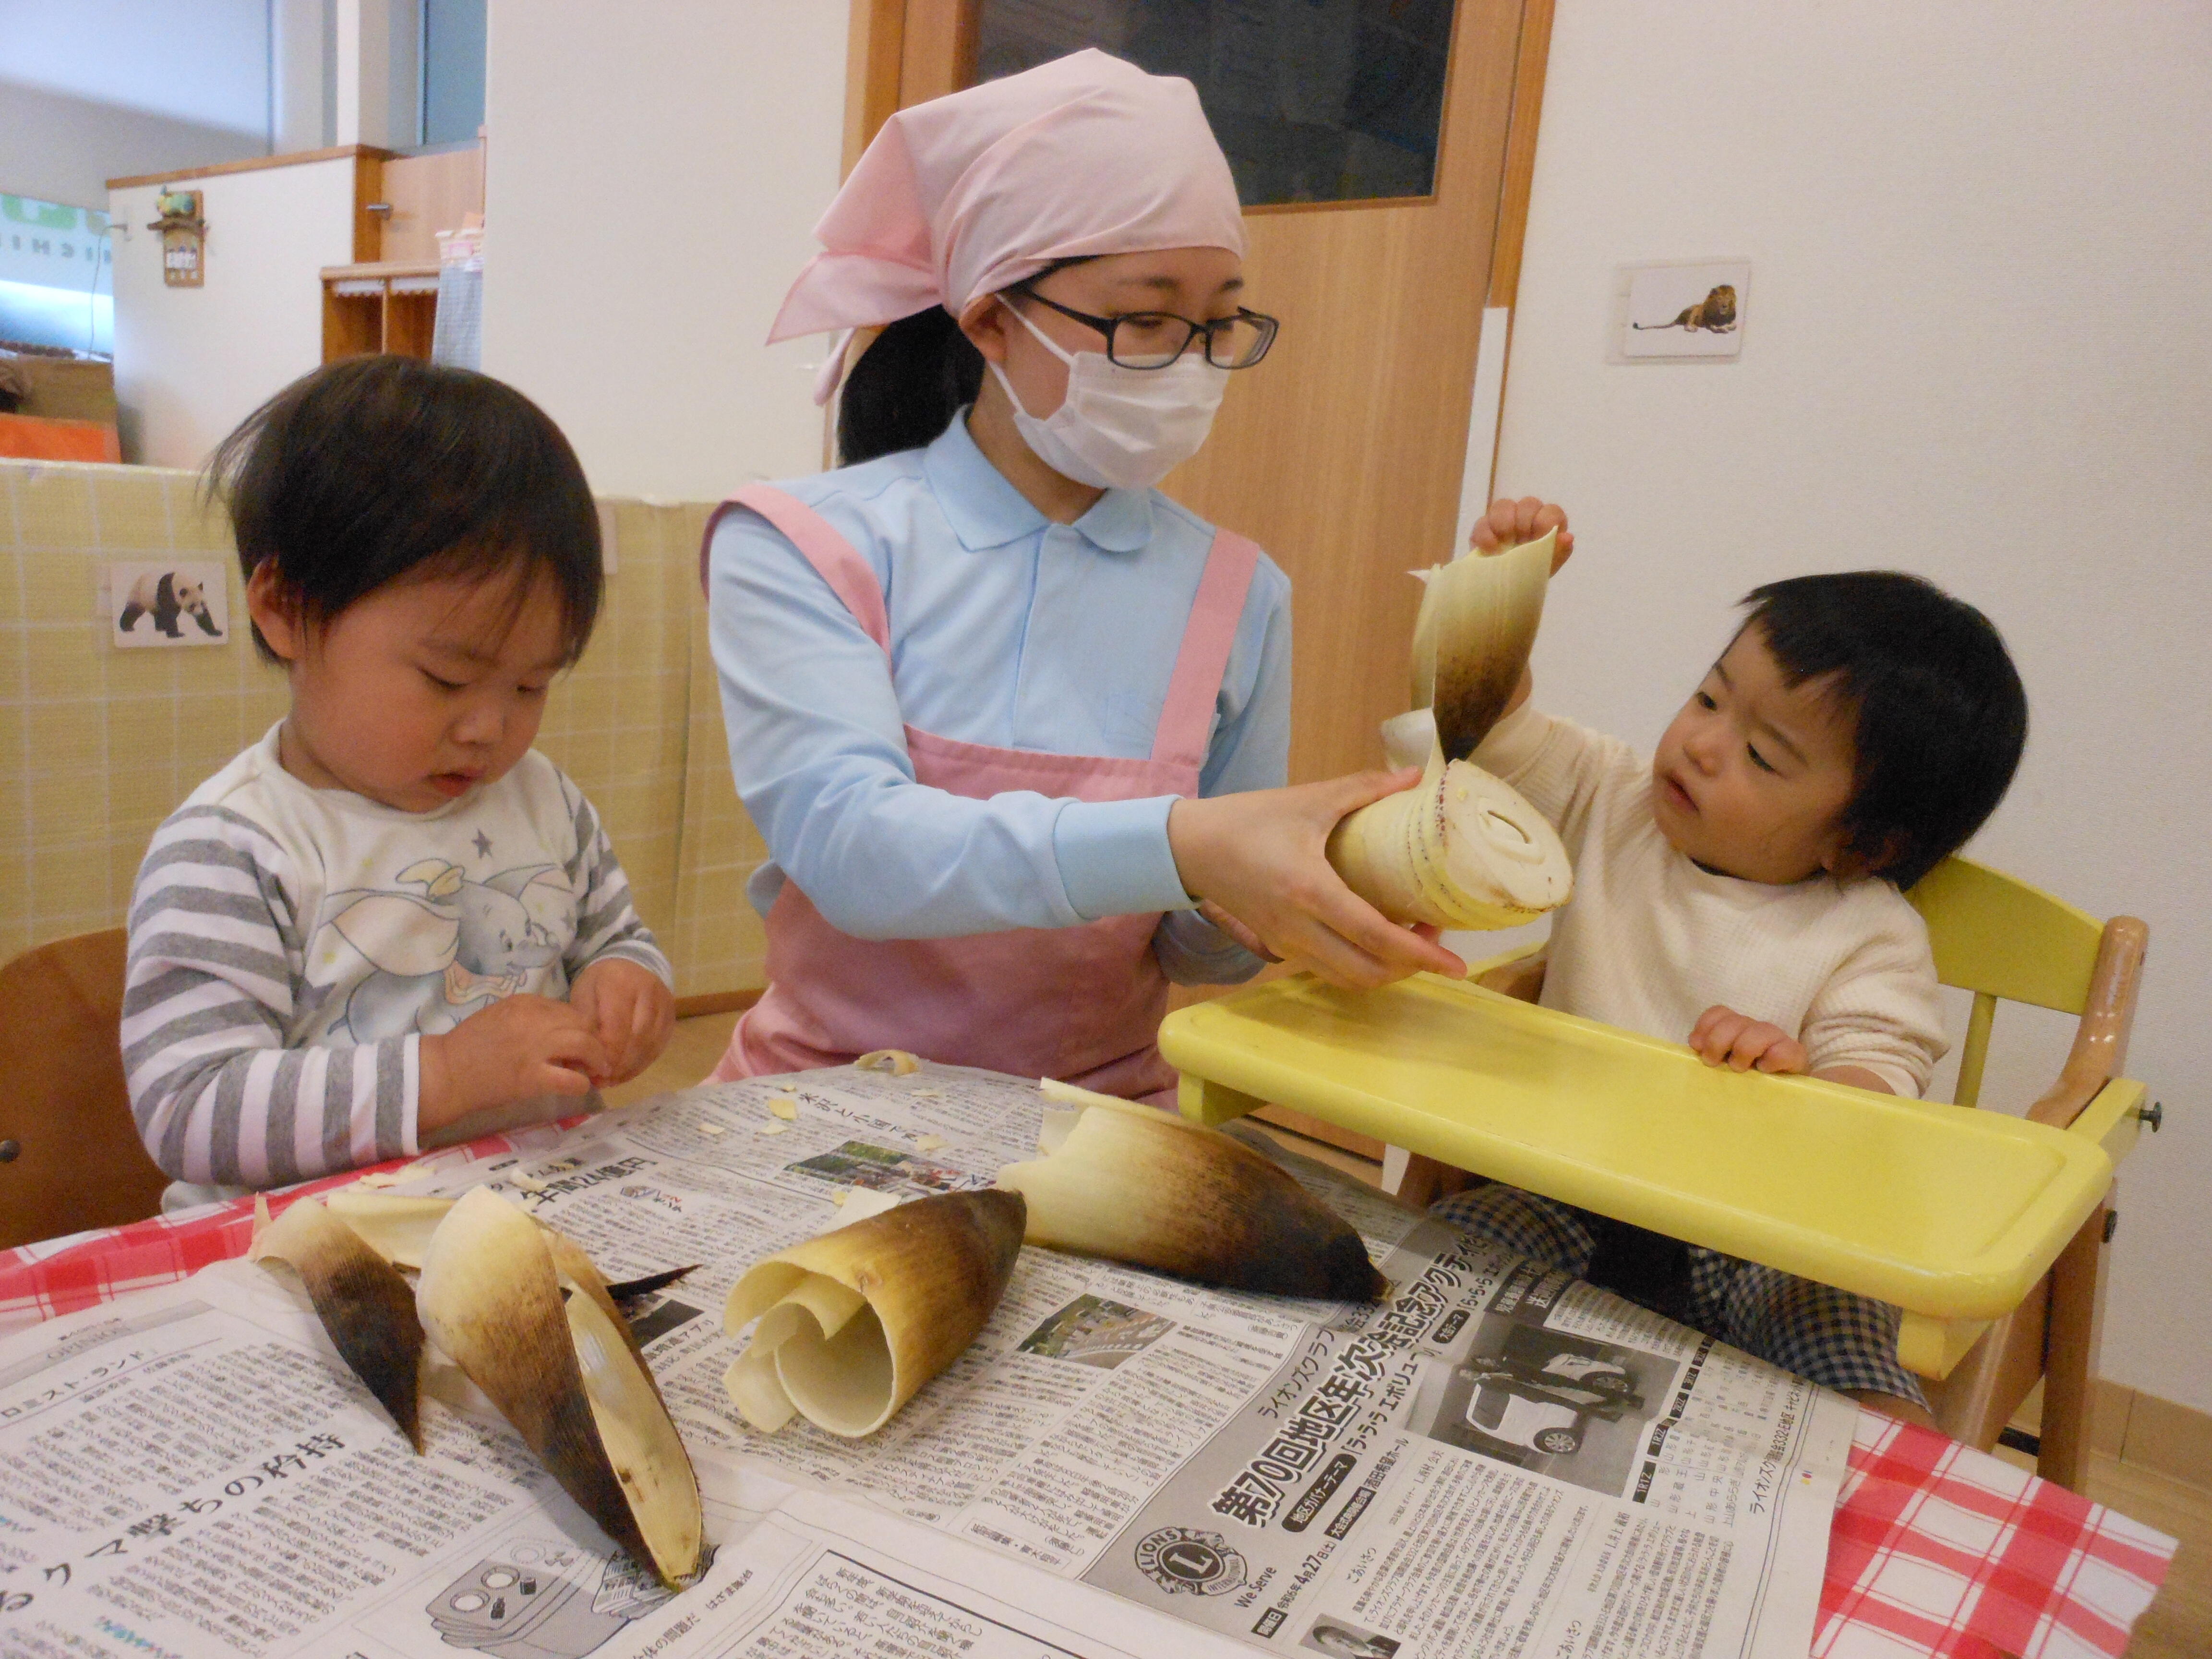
[457,947]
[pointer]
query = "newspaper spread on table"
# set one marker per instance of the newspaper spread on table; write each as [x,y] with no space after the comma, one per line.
[1494,1461]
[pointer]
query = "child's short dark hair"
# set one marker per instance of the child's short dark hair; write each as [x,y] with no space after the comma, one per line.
[1941,714]
[376,468]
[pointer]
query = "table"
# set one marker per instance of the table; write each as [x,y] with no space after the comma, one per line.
[1935,1548]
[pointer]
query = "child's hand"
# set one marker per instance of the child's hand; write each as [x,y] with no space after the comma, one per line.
[1721,1037]
[633,1013]
[1509,524]
[519,1047]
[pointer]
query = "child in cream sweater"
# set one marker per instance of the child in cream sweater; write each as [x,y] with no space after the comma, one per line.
[1742,891]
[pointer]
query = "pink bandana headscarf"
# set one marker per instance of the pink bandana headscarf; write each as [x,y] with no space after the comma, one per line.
[969,193]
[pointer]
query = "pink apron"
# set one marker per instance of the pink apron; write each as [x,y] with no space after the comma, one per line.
[1082,1003]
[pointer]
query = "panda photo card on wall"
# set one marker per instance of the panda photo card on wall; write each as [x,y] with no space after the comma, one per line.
[169,602]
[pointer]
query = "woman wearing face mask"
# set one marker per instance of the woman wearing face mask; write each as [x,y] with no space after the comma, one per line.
[1013,724]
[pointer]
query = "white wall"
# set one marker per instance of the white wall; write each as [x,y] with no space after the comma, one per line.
[64,148]
[98,88]
[653,176]
[192,362]
[1978,346]
[377,72]
[303,76]
[208,64]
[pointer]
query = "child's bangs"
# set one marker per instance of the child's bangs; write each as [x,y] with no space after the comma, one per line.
[1808,649]
[518,573]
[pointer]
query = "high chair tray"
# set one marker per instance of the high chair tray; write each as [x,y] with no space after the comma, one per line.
[1946,1211]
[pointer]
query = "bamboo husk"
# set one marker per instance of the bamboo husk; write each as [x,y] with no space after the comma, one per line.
[1477,625]
[1462,849]
[365,1307]
[396,1227]
[521,1311]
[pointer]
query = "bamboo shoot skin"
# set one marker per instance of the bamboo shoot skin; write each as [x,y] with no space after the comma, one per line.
[1132,1184]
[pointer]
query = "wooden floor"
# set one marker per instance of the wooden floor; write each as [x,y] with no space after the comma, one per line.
[2179,1623]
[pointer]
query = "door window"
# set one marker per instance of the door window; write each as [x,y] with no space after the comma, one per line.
[1313,101]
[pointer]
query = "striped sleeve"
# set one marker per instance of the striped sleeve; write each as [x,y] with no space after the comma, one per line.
[214,976]
[607,923]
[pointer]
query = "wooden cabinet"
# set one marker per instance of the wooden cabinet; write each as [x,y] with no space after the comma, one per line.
[192,362]
[383,306]
[388,300]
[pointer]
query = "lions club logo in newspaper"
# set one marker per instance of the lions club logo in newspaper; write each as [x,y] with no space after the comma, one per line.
[1182,1561]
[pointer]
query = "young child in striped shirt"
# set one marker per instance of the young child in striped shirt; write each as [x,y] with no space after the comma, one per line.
[391,923]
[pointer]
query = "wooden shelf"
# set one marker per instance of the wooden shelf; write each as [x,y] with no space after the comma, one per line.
[253,164]
[381,306]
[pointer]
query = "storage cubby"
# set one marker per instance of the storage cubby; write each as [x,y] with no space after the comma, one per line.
[390,305]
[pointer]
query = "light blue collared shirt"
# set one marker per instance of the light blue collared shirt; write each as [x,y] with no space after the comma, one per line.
[1007,629]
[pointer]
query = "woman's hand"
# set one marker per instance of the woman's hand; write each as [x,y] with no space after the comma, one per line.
[1258,859]
[1509,522]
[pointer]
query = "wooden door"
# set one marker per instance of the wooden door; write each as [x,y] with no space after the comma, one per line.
[1343,454]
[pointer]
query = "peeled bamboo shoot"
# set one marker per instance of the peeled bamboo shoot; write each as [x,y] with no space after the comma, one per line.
[853,1322]
[1461,848]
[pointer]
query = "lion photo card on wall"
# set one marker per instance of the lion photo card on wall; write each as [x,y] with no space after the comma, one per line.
[169,602]
[1682,310]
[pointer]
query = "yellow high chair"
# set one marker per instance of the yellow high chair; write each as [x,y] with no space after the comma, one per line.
[1987,1229]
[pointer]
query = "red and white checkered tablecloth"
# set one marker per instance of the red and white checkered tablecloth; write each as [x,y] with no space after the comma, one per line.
[1937,1549]
[60,1276]
[1940,1549]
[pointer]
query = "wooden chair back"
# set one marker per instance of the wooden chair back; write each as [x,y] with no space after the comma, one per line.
[2002,940]
[76,1159]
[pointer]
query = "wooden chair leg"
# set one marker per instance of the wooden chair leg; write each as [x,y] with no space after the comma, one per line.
[1418,1186]
[2070,1353]
[1425,1180]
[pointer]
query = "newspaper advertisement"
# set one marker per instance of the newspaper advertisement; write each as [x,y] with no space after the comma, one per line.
[1494,1459]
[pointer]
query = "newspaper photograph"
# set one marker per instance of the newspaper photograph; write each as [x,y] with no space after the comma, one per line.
[1478,1470]
[1492,1459]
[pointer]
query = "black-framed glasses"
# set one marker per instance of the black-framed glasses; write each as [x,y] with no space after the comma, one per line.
[1153,339]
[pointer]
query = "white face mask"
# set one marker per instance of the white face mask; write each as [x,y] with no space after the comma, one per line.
[1120,429]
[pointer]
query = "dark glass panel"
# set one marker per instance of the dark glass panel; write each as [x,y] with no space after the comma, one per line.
[1313,101]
